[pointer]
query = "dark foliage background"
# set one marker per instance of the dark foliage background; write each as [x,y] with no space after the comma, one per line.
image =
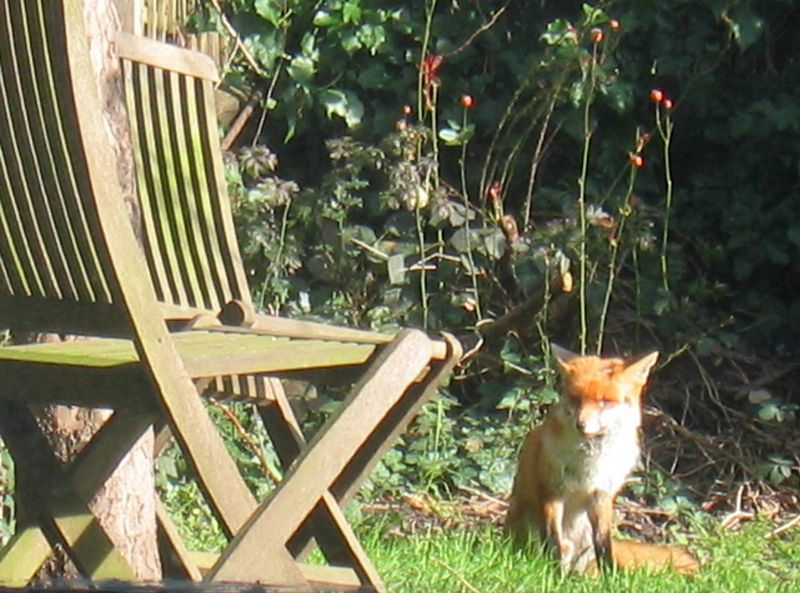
[371,191]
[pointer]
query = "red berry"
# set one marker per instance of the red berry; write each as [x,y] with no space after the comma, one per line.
[613,24]
[467,101]
[407,110]
[401,125]
[636,160]
[657,95]
[667,103]
[597,34]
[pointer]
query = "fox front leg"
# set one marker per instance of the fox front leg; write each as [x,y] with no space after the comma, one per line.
[601,517]
[553,534]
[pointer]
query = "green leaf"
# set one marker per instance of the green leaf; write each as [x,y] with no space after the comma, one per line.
[302,69]
[344,104]
[324,18]
[494,243]
[559,31]
[269,11]
[373,77]
[462,242]
[449,136]
[768,412]
[746,26]
[373,37]
[265,47]
[351,13]
[396,266]
[593,15]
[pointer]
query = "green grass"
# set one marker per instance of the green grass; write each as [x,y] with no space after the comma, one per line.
[480,561]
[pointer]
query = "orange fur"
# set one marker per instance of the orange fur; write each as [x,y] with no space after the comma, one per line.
[573,464]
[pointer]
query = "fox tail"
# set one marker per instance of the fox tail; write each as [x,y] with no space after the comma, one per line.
[632,554]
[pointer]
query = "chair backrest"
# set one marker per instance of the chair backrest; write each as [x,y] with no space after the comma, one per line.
[190,238]
[56,192]
[166,20]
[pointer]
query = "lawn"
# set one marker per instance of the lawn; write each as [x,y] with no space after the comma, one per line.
[472,561]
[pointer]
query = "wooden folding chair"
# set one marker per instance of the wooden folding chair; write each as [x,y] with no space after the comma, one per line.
[69,263]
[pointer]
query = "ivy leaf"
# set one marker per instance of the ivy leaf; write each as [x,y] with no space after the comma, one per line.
[351,13]
[461,242]
[302,69]
[323,18]
[269,11]
[345,104]
[265,47]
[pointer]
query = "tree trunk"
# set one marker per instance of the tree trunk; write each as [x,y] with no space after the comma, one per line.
[125,505]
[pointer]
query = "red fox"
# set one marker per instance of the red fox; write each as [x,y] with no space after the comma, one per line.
[572,466]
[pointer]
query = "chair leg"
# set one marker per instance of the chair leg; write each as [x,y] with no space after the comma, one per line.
[382,438]
[395,424]
[222,484]
[388,378]
[58,497]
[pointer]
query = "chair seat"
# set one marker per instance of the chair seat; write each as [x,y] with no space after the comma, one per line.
[204,353]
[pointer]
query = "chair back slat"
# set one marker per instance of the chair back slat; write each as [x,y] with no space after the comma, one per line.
[165,21]
[191,244]
[52,255]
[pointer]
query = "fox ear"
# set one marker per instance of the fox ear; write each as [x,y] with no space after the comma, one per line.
[562,356]
[638,369]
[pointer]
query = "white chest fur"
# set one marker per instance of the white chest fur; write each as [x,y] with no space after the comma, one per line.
[600,463]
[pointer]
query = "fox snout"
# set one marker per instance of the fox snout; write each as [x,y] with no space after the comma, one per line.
[587,419]
[594,419]
[588,426]
[590,423]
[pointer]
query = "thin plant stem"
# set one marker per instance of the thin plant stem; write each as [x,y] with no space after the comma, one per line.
[638,283]
[276,266]
[665,131]
[423,274]
[625,211]
[536,160]
[435,135]
[465,194]
[542,319]
[430,9]
[587,140]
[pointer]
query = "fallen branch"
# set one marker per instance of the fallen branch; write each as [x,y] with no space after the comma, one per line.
[785,527]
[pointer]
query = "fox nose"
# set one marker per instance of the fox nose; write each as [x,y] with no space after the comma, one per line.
[588,427]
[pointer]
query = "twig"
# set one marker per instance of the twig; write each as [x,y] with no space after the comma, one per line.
[484,495]
[256,450]
[459,576]
[238,40]
[482,29]
[733,519]
[367,247]
[785,527]
[241,120]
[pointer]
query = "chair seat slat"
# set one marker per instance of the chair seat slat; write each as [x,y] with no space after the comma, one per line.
[204,353]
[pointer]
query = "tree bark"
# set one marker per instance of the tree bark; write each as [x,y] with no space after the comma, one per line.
[125,505]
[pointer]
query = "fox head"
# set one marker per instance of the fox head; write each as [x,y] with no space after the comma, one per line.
[599,394]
